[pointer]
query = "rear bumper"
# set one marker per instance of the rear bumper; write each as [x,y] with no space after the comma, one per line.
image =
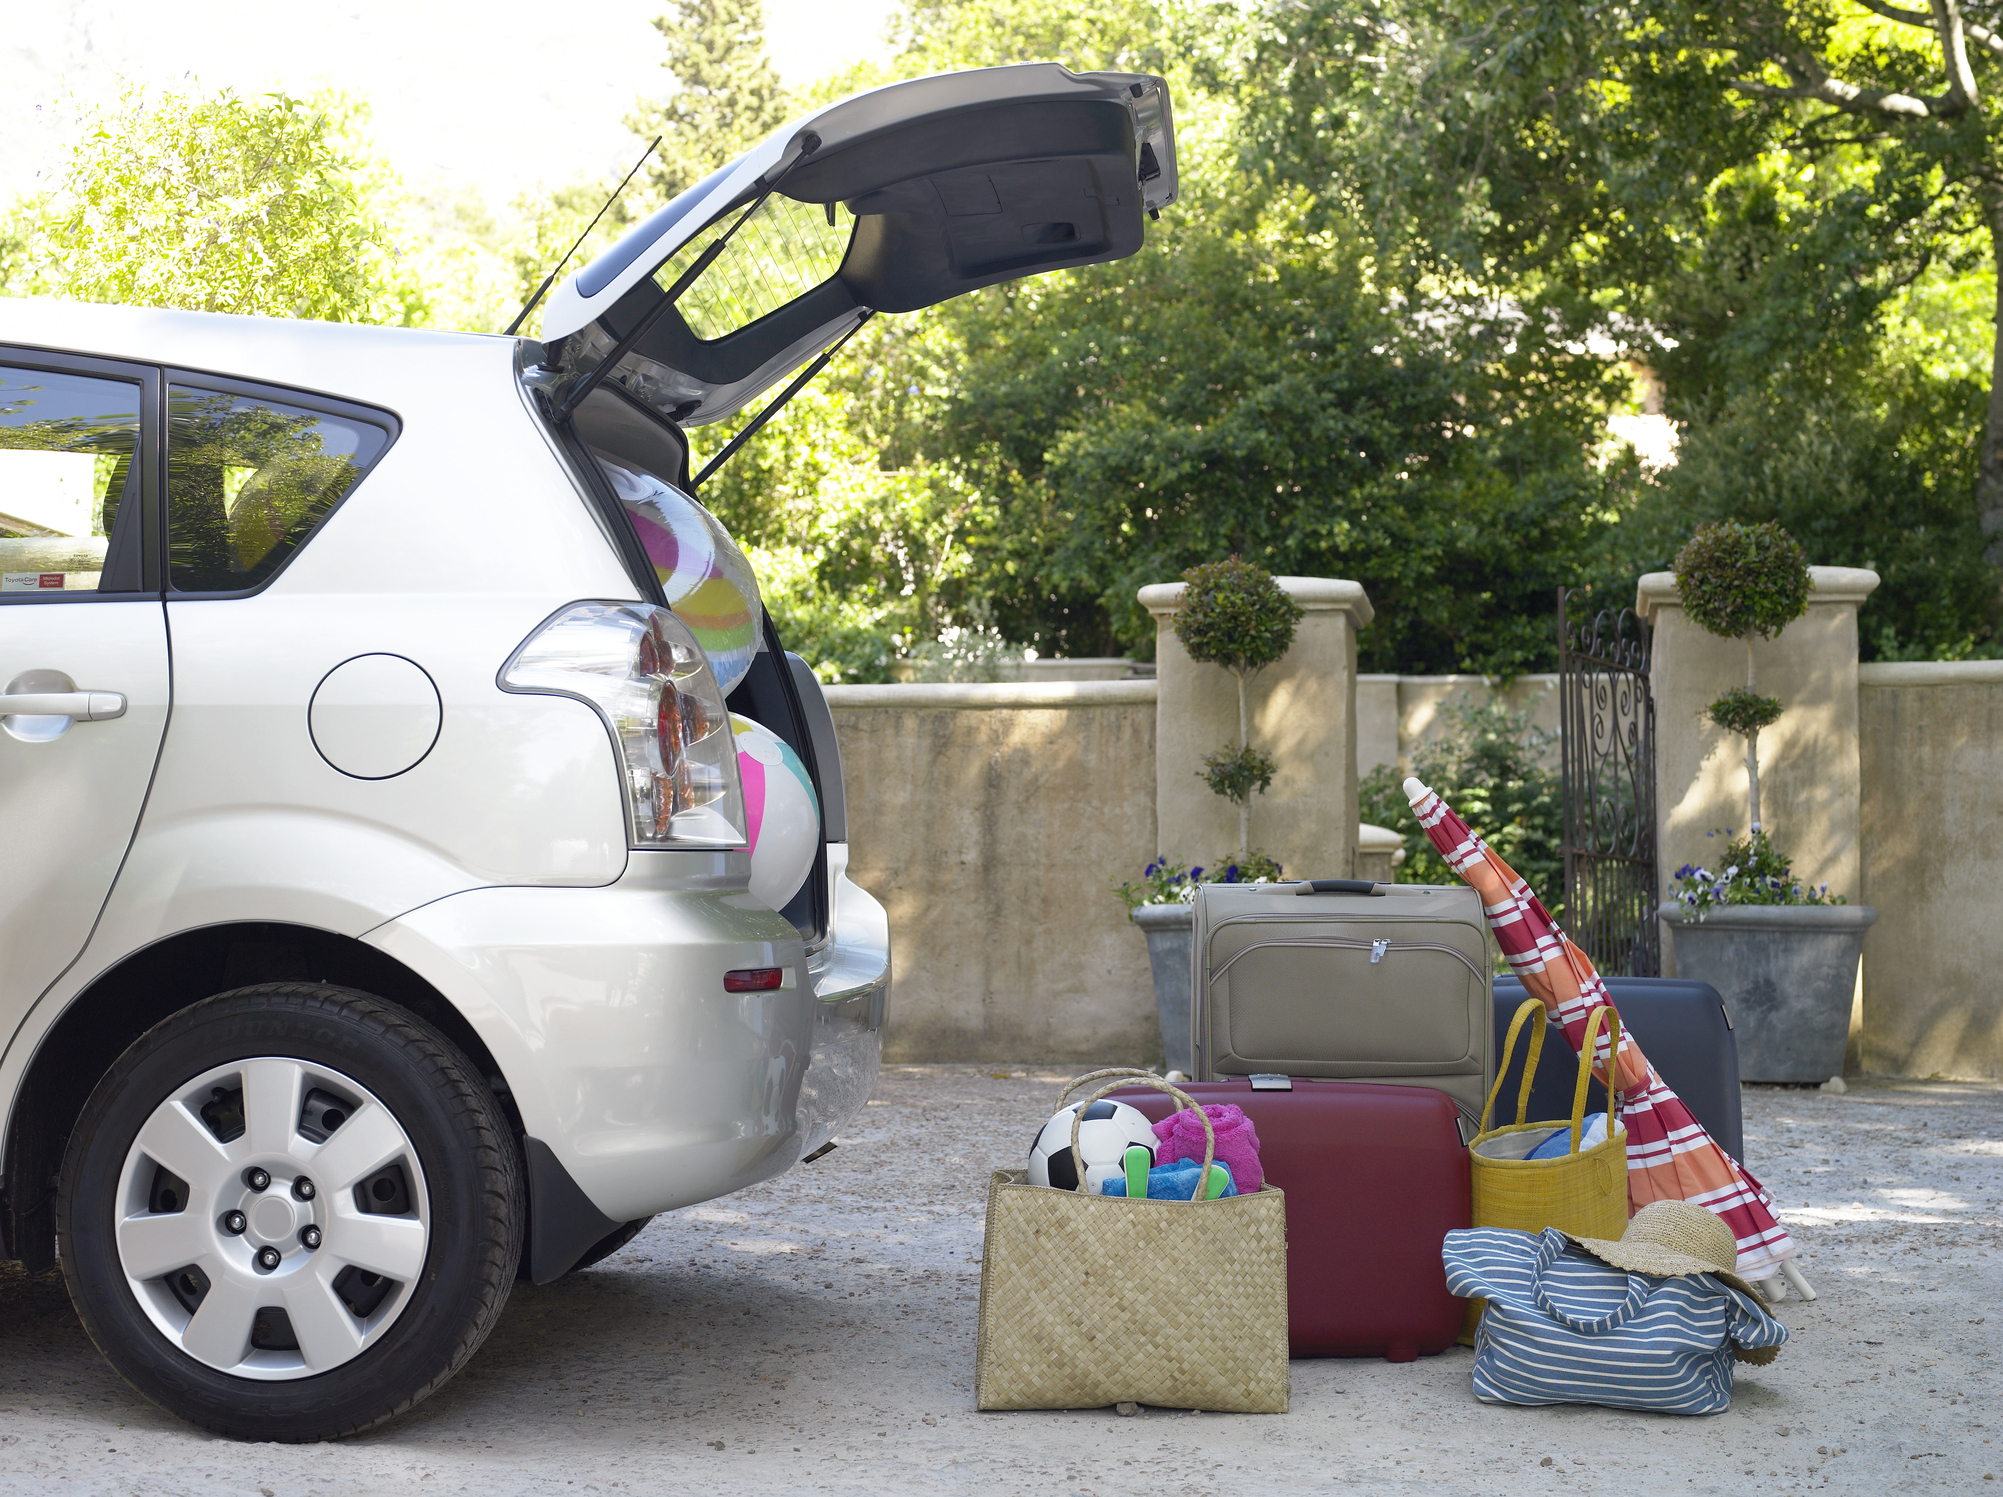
[852,989]
[604,1008]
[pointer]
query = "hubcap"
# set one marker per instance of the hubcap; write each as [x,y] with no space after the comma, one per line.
[272,1218]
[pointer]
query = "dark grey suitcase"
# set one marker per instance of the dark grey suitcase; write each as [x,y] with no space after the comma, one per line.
[1682,1028]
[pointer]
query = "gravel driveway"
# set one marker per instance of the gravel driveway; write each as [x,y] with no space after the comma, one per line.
[816,1334]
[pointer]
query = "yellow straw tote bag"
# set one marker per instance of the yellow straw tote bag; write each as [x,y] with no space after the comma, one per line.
[1094,1300]
[1583,1192]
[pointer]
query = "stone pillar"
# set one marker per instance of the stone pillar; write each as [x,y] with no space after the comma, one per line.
[1303,714]
[1810,771]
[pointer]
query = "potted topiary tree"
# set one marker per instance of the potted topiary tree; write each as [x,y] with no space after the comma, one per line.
[1783,954]
[1232,614]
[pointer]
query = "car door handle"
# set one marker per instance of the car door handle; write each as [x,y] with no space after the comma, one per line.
[82,706]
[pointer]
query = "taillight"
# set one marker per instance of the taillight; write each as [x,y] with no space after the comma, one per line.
[754,979]
[642,669]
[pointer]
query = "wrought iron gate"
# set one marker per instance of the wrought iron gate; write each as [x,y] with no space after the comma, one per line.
[1608,732]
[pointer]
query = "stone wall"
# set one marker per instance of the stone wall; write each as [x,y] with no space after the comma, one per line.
[1931,739]
[1810,774]
[991,820]
[1395,714]
[1302,711]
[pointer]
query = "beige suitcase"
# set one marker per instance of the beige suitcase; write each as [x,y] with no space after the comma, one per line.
[1343,979]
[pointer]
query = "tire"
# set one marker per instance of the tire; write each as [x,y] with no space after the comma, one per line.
[325,1079]
[607,1245]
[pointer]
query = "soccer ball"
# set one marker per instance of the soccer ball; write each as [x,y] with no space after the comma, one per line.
[1109,1130]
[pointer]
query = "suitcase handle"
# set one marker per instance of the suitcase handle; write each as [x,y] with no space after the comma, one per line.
[1138,1073]
[1340,886]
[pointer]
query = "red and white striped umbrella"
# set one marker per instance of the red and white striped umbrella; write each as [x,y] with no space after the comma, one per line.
[1669,1155]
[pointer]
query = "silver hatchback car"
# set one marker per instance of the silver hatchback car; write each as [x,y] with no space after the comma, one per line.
[425,861]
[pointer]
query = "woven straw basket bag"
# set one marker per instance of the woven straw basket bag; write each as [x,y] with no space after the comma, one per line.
[1582,1192]
[1094,1300]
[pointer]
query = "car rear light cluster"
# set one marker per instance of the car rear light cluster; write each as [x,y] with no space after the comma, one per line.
[642,669]
[754,979]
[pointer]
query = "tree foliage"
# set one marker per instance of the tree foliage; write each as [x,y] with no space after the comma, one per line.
[217,204]
[724,93]
[1234,614]
[1783,210]
[1423,252]
[1738,580]
[1494,767]
[1243,386]
[1744,712]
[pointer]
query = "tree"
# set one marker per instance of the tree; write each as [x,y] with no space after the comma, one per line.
[1235,615]
[1737,581]
[1494,767]
[726,95]
[1244,386]
[1949,137]
[218,204]
[1595,147]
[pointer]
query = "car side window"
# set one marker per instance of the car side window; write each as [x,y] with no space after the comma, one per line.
[249,479]
[69,487]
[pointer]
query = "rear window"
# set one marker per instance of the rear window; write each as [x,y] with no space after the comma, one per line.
[248,480]
[783,251]
[66,470]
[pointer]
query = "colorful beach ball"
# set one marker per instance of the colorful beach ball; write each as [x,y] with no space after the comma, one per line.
[782,814]
[708,582]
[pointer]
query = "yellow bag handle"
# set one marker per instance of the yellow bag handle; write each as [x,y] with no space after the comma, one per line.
[1529,1006]
[1612,1016]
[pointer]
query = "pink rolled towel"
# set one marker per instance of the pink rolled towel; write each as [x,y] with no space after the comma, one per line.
[1181,1137]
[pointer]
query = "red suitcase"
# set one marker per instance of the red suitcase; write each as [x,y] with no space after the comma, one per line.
[1375,1178]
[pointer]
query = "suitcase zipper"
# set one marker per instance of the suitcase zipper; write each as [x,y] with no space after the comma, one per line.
[1376,947]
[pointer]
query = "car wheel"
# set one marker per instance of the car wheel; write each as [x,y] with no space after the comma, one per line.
[609,1244]
[290,1212]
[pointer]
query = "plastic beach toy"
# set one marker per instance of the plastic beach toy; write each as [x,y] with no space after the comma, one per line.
[708,582]
[782,815]
[1175,1182]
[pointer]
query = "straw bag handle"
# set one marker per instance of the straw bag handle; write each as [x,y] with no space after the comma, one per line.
[1091,1076]
[1586,1049]
[1523,1013]
[1145,1078]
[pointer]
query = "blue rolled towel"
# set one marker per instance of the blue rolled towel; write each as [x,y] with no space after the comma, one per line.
[1559,1144]
[1172,1182]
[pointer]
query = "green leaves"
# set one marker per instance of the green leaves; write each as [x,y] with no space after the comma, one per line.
[219,205]
[1233,614]
[1737,579]
[1238,774]
[1493,767]
[724,93]
[1744,712]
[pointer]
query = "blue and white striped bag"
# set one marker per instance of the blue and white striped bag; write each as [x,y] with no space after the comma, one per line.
[1564,1327]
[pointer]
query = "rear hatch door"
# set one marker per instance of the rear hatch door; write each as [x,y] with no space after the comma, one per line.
[889,201]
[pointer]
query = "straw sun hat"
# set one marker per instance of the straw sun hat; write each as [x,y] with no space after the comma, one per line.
[1669,1239]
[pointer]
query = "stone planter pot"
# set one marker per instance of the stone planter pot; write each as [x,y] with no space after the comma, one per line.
[1168,928]
[1788,974]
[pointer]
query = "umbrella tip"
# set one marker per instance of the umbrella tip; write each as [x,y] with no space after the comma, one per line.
[1415,789]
